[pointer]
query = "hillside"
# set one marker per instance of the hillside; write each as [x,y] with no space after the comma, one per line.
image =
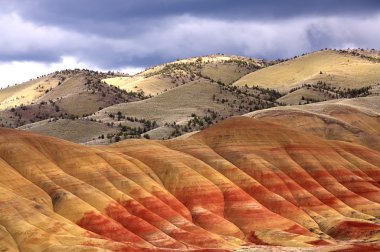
[153,118]
[76,93]
[189,107]
[217,190]
[353,120]
[80,93]
[159,79]
[184,96]
[320,76]
[79,130]
[335,68]
[27,92]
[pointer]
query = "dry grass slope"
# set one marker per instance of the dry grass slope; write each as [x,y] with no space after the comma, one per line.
[78,131]
[161,78]
[149,85]
[176,105]
[337,69]
[27,92]
[301,95]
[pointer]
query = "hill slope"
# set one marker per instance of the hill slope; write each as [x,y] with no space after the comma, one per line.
[79,130]
[335,68]
[185,96]
[159,79]
[192,106]
[27,92]
[353,120]
[66,94]
[217,190]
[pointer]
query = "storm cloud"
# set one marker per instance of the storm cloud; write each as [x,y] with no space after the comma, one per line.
[124,35]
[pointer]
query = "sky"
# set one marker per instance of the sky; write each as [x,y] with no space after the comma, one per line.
[41,36]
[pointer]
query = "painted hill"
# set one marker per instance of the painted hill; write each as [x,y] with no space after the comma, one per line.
[242,182]
[352,120]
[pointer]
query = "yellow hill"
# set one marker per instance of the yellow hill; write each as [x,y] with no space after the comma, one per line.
[27,92]
[339,69]
[161,78]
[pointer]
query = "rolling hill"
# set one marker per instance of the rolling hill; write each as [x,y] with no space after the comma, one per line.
[336,68]
[217,190]
[184,96]
[191,106]
[53,110]
[200,154]
[27,92]
[352,120]
[219,68]
[320,76]
[76,93]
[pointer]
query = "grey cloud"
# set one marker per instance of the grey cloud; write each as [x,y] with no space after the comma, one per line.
[119,18]
[115,34]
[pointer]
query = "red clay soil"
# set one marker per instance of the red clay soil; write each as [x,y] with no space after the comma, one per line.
[241,182]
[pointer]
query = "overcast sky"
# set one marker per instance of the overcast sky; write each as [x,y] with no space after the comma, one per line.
[41,36]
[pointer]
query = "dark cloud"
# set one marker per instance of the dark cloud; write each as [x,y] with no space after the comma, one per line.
[121,33]
[120,18]
[117,10]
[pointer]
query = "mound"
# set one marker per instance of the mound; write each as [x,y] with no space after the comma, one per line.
[303,95]
[176,105]
[240,182]
[353,120]
[338,69]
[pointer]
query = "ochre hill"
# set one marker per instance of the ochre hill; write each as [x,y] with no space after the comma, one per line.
[242,182]
[27,92]
[339,69]
[353,120]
